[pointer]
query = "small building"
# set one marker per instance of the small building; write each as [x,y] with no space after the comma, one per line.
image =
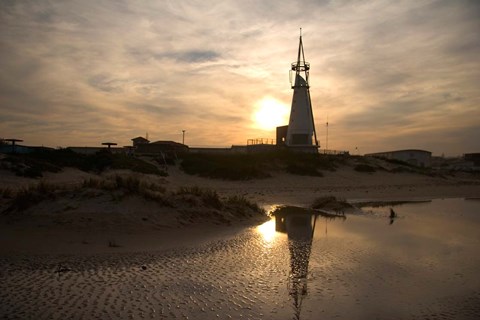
[282,135]
[139,140]
[420,158]
[474,158]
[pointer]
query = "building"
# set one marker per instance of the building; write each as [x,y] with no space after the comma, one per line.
[474,158]
[471,161]
[139,140]
[301,127]
[420,158]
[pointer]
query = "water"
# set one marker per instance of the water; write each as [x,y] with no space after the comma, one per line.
[424,265]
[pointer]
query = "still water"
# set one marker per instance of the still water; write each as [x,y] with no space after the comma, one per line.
[424,264]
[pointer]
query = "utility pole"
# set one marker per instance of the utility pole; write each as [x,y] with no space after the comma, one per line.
[183,136]
[326,145]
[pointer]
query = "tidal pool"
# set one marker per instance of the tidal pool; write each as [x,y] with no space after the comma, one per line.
[424,264]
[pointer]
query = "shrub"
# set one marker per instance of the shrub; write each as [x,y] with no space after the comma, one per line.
[303,170]
[209,197]
[240,203]
[364,168]
[257,165]
[27,197]
[225,166]
[6,193]
[330,202]
[35,163]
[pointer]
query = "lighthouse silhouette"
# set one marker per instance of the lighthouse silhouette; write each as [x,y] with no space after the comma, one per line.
[300,132]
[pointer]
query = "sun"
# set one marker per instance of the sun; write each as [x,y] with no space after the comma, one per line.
[269,114]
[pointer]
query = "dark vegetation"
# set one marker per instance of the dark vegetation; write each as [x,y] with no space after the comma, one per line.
[377,204]
[258,165]
[34,164]
[364,168]
[331,203]
[195,203]
[218,166]
[285,211]
[32,195]
[226,166]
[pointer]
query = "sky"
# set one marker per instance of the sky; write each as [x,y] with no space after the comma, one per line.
[386,75]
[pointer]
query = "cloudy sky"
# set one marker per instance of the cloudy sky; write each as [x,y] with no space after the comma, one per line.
[387,74]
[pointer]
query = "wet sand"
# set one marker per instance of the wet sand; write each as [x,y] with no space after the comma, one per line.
[422,266]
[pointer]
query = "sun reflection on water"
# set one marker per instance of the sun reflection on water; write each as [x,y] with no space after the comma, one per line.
[267,230]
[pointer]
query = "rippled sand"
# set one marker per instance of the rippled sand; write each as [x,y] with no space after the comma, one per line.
[423,266]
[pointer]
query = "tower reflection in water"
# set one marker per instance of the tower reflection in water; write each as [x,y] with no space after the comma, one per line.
[299,224]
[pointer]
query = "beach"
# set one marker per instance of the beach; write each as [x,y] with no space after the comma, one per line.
[55,265]
[145,221]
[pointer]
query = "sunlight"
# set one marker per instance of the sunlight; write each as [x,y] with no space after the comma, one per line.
[267,230]
[270,113]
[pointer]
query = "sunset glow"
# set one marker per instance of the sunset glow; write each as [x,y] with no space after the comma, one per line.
[78,73]
[270,113]
[267,230]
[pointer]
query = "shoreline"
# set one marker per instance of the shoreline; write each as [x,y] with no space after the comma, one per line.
[149,228]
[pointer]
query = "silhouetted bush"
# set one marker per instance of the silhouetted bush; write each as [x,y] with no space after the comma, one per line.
[34,164]
[6,193]
[303,170]
[257,165]
[331,203]
[209,198]
[364,168]
[225,166]
[31,195]
[243,206]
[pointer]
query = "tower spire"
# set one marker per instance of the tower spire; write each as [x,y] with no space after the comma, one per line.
[301,67]
[301,127]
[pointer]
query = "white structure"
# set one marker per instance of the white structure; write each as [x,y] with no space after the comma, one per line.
[301,127]
[420,158]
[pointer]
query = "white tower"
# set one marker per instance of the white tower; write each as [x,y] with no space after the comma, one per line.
[301,127]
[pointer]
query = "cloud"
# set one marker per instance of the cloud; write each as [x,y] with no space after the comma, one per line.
[74,72]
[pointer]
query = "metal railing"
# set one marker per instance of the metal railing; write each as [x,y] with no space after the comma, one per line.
[251,142]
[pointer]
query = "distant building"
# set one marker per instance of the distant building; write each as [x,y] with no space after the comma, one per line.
[420,158]
[139,140]
[473,158]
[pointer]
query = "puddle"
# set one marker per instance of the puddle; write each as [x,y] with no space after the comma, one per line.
[424,265]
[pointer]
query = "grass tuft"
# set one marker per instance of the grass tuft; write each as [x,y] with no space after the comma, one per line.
[242,205]
[31,195]
[330,203]
[209,198]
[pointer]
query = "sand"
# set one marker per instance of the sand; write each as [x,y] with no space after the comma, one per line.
[148,269]
[136,224]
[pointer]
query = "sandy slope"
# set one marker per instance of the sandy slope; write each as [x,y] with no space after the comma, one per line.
[344,183]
